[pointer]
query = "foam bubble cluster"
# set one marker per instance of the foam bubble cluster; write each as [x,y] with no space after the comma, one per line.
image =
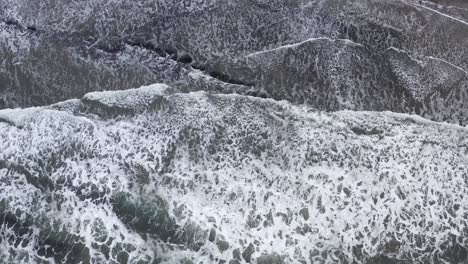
[165,177]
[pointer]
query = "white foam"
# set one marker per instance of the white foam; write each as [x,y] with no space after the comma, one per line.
[231,158]
[295,45]
[440,13]
[129,98]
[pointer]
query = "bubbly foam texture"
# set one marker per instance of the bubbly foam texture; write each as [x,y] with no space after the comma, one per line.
[207,176]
